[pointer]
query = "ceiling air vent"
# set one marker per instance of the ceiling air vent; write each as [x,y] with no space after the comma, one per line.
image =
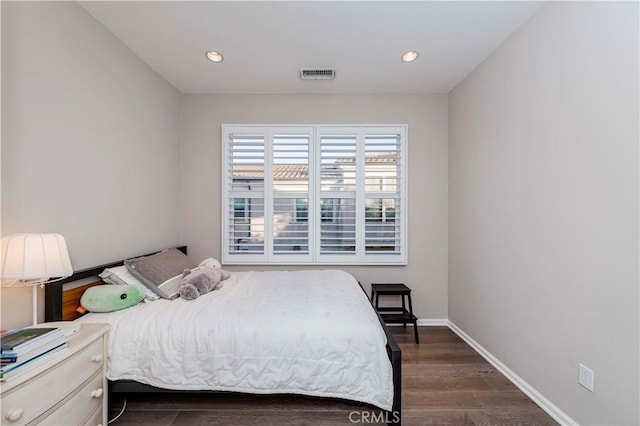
[317,74]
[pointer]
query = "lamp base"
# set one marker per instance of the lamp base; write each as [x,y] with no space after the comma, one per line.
[68,328]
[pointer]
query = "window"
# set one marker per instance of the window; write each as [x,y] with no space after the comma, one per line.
[314,194]
[380,210]
[302,210]
[327,211]
[241,209]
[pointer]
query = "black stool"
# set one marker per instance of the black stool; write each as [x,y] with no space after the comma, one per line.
[396,314]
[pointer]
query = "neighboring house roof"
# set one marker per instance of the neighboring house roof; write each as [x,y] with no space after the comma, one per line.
[280,171]
[299,171]
[383,157]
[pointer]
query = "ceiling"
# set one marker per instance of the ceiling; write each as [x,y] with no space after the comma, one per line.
[266,43]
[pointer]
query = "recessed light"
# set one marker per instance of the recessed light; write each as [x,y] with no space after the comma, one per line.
[214,56]
[410,56]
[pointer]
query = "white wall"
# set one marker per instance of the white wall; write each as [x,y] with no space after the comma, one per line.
[543,202]
[89,141]
[200,214]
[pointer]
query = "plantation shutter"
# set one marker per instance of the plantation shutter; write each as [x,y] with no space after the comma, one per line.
[314,195]
[383,194]
[290,189]
[245,200]
[337,192]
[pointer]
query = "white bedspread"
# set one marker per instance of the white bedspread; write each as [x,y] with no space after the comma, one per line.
[302,332]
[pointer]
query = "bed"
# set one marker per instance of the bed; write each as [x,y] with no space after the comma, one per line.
[300,332]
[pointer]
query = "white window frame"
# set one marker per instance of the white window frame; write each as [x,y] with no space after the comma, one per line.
[360,257]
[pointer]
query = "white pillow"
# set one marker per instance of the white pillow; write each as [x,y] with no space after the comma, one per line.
[120,275]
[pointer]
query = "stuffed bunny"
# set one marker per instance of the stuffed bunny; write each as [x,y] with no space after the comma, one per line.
[199,281]
[212,263]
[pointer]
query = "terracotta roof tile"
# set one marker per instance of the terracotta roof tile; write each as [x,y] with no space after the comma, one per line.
[298,171]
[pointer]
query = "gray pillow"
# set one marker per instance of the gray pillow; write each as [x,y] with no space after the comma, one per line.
[158,268]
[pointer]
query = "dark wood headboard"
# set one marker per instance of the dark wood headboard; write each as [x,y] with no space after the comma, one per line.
[56,298]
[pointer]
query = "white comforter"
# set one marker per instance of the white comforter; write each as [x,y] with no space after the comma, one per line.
[301,332]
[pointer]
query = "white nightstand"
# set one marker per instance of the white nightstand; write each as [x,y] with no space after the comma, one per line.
[68,387]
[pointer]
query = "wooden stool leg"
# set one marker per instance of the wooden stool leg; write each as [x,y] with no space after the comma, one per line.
[410,306]
[415,322]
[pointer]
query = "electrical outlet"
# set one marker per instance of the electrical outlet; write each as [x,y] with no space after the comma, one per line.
[585,377]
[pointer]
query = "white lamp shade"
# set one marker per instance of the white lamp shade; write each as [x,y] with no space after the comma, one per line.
[34,257]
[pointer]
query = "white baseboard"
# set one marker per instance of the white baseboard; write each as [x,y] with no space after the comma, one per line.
[551,409]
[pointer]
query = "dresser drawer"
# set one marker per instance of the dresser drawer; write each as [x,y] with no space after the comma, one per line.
[81,405]
[31,399]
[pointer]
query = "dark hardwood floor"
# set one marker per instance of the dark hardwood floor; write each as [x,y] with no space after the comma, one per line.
[445,382]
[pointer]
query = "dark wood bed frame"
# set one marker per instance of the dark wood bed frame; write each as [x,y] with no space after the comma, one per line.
[61,304]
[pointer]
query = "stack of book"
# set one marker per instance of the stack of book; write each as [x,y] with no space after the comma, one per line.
[23,346]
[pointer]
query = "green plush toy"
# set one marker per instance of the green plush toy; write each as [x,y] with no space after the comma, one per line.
[109,298]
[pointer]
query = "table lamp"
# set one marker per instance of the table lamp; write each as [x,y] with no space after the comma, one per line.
[33,260]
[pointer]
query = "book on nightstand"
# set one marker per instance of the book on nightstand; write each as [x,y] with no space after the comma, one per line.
[17,357]
[8,369]
[23,340]
[20,347]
